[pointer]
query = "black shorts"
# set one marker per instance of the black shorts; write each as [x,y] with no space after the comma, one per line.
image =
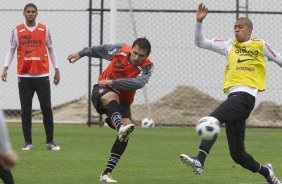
[236,108]
[98,92]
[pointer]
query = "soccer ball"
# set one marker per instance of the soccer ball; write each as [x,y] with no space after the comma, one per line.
[208,127]
[147,123]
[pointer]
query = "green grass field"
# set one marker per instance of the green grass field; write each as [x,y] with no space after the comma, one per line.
[152,156]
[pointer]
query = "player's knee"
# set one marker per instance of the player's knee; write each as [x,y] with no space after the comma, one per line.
[108,97]
[46,108]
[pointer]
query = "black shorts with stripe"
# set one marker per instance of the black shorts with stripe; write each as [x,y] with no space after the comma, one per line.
[98,92]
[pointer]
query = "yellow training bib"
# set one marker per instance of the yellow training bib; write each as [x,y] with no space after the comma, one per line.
[246,65]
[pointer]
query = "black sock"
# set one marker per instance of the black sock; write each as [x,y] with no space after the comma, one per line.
[264,171]
[202,155]
[114,158]
[116,152]
[114,113]
[204,149]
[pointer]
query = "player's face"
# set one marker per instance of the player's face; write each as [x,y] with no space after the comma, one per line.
[242,31]
[137,55]
[30,14]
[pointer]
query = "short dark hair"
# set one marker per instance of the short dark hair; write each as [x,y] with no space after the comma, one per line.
[30,5]
[143,43]
[247,21]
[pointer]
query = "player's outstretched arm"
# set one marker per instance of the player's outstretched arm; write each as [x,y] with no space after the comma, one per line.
[202,12]
[73,57]
[271,54]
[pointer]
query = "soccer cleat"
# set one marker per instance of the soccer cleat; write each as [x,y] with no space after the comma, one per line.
[27,146]
[193,162]
[272,179]
[52,146]
[107,178]
[124,132]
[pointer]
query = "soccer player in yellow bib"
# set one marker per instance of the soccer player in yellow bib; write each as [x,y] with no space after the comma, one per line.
[244,77]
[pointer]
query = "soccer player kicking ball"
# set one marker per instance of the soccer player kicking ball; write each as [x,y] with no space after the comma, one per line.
[244,78]
[129,69]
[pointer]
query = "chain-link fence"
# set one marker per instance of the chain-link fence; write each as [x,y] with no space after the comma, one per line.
[187,81]
[68,22]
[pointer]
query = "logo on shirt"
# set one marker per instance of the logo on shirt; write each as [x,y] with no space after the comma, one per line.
[101,90]
[112,52]
[270,50]
[244,51]
[250,69]
[40,29]
[242,60]
[123,54]
[30,51]
[219,40]
[22,30]
[31,58]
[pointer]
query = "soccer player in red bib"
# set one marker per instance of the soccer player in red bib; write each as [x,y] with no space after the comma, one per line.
[129,69]
[32,40]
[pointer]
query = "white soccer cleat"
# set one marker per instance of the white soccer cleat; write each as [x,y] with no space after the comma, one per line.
[272,179]
[27,147]
[124,132]
[107,178]
[52,146]
[193,162]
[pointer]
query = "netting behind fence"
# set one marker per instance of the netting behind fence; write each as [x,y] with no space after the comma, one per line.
[69,28]
[187,81]
[181,67]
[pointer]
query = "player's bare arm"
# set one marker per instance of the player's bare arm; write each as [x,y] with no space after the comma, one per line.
[73,57]
[57,76]
[202,12]
[4,74]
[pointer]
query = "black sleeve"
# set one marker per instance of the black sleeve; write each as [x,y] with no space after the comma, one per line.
[134,83]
